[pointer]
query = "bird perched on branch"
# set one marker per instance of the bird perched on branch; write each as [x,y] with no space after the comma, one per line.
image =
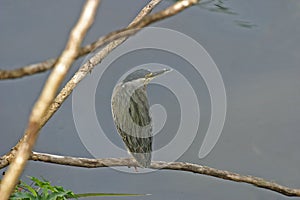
[130,110]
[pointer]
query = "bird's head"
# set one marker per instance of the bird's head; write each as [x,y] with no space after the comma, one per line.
[143,76]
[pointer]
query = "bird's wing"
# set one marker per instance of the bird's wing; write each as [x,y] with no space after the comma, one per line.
[139,110]
[133,123]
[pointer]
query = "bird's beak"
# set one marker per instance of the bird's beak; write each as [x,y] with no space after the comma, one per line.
[157,73]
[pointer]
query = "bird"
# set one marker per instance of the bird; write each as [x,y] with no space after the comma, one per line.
[130,111]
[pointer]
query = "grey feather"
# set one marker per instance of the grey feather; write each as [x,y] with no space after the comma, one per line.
[130,110]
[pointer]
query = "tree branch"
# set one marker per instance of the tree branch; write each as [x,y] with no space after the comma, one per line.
[47,95]
[28,69]
[179,166]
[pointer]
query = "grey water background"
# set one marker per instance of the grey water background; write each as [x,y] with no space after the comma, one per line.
[259,66]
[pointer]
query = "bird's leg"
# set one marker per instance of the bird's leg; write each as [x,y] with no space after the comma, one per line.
[129,165]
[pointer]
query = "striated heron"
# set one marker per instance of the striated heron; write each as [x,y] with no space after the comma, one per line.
[130,110]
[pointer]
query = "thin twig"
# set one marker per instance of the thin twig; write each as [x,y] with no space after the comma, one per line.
[28,69]
[180,166]
[47,95]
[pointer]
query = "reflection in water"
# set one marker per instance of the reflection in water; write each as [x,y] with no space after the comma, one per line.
[220,6]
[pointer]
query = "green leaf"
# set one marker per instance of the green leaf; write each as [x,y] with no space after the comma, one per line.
[22,196]
[43,190]
[28,188]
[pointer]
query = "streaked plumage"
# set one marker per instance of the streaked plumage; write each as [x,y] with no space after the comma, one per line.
[130,109]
